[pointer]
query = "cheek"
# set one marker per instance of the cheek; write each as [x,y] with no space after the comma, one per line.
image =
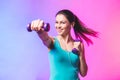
[67,28]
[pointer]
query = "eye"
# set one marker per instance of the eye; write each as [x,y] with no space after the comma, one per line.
[63,22]
[56,21]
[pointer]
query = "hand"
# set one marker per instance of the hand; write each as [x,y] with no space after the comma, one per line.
[37,25]
[79,46]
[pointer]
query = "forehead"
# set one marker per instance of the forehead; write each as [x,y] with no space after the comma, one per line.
[61,17]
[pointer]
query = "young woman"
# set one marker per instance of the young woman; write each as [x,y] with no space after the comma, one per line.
[65,64]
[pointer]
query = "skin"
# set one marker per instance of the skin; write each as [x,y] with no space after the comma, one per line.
[63,27]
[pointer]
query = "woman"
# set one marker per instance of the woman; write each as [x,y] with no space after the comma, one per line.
[65,64]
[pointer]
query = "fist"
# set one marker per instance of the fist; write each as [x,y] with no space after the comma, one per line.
[77,45]
[37,25]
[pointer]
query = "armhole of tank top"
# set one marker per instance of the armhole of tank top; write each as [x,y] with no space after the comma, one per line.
[54,44]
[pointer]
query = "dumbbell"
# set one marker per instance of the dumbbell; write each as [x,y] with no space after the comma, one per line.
[74,50]
[46,27]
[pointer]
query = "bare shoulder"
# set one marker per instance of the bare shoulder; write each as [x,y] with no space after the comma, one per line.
[52,40]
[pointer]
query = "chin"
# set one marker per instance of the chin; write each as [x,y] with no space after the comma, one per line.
[60,34]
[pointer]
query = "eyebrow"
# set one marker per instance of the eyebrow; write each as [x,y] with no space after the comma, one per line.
[60,21]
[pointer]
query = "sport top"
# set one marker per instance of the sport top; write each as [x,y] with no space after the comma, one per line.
[63,64]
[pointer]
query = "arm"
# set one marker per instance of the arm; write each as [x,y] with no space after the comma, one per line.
[36,25]
[83,66]
[46,39]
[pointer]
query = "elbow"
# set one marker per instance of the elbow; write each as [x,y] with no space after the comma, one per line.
[84,73]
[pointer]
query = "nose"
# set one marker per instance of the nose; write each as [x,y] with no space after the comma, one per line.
[58,26]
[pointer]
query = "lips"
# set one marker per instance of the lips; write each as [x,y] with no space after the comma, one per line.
[59,30]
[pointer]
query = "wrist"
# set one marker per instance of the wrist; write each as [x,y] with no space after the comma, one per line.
[39,32]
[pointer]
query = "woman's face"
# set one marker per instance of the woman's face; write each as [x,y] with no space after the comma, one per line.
[62,25]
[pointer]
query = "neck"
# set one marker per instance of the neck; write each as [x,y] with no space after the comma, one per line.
[66,38]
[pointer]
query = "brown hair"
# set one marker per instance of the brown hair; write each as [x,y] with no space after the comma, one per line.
[79,28]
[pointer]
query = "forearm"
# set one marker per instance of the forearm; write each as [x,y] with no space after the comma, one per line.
[43,35]
[45,38]
[83,66]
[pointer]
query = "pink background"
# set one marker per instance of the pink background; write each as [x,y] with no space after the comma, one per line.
[24,57]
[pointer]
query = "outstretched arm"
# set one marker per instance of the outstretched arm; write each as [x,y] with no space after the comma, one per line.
[37,25]
[46,39]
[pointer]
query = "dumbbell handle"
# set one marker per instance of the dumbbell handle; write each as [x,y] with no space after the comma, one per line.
[74,50]
[46,27]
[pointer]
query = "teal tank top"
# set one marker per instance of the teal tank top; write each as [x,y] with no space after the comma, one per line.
[63,64]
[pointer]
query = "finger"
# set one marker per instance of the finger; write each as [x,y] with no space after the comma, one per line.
[77,43]
[32,25]
[36,22]
[40,24]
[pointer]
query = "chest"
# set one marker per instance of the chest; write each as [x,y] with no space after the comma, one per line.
[60,56]
[66,46]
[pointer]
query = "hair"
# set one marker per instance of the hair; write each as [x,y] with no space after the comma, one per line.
[81,31]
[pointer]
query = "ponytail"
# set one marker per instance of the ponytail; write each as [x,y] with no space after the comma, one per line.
[79,28]
[81,31]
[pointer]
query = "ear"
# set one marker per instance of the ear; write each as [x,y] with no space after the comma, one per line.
[72,24]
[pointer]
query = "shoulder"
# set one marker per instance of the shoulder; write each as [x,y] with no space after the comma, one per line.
[52,38]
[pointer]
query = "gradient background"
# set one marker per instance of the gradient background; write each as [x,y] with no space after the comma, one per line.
[24,57]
